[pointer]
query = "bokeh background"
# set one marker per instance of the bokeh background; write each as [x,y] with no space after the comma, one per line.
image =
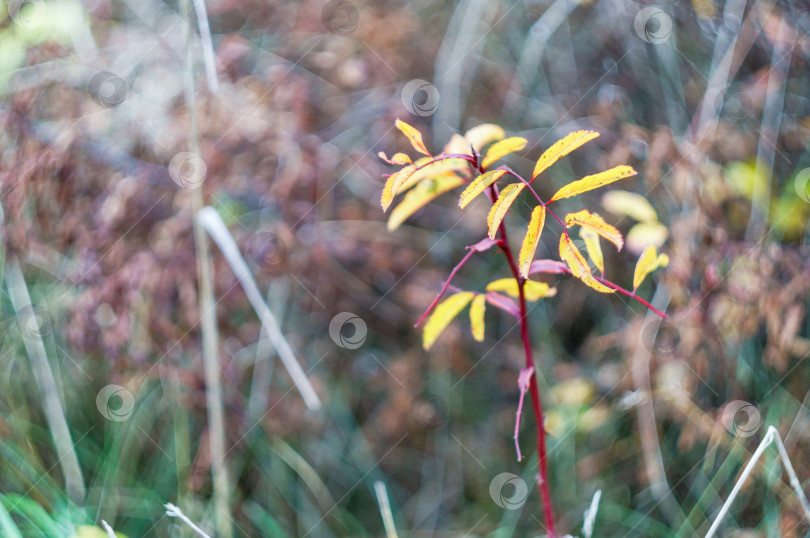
[119,117]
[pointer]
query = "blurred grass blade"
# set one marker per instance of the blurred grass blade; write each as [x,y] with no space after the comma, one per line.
[7,524]
[54,411]
[212,222]
[772,436]
[385,509]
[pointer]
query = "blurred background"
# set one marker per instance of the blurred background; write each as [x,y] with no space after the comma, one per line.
[122,118]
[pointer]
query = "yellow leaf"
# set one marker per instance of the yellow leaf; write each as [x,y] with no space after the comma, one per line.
[648,262]
[645,234]
[477,310]
[481,135]
[629,204]
[593,247]
[394,184]
[502,148]
[507,285]
[435,168]
[594,222]
[397,158]
[561,148]
[457,144]
[529,245]
[479,185]
[413,135]
[443,315]
[578,264]
[421,195]
[595,181]
[533,291]
[501,206]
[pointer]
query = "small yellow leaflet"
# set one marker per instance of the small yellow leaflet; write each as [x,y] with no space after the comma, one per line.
[533,291]
[394,184]
[648,262]
[481,135]
[479,185]
[443,315]
[421,195]
[595,181]
[593,247]
[578,264]
[503,148]
[594,222]
[501,206]
[529,245]
[477,310]
[561,148]
[413,135]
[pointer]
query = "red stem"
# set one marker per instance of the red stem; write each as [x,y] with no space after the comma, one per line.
[446,284]
[537,404]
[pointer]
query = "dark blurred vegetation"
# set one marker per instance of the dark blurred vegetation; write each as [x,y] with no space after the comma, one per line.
[716,118]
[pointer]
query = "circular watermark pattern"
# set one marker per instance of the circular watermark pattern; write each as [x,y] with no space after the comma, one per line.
[187,170]
[428,411]
[661,337]
[348,330]
[740,418]
[509,491]
[802,184]
[35,322]
[115,403]
[736,107]
[27,13]
[107,89]
[420,97]
[653,25]
[340,17]
[267,249]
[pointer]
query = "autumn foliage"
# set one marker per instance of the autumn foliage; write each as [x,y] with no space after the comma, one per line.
[463,162]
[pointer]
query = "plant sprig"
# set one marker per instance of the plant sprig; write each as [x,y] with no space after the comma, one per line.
[460,163]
